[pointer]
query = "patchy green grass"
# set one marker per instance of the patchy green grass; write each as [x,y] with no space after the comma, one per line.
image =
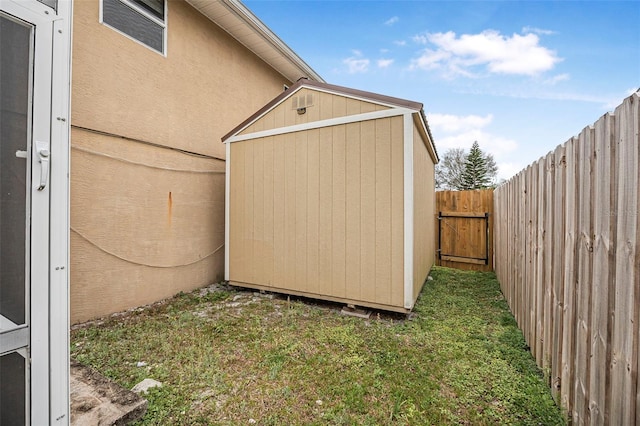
[229,356]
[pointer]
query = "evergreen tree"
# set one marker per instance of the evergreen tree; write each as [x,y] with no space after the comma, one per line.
[477,173]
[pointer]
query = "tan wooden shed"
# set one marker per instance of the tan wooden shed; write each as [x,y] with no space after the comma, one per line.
[330,194]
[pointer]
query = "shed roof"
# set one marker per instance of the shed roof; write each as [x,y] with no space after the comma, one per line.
[417,107]
[233,17]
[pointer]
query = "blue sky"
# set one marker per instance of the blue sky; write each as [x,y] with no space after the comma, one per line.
[520,77]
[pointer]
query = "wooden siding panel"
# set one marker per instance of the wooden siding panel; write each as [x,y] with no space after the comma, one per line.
[424,213]
[279,219]
[326,208]
[268,174]
[338,214]
[383,211]
[353,211]
[397,211]
[313,211]
[290,204]
[257,246]
[301,208]
[367,209]
[238,212]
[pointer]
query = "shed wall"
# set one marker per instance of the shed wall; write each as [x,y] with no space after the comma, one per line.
[140,207]
[424,216]
[325,106]
[321,212]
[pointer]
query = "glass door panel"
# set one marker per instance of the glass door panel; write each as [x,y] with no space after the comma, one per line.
[16,50]
[13,381]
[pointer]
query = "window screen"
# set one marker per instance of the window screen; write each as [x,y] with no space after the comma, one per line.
[53,4]
[155,7]
[136,24]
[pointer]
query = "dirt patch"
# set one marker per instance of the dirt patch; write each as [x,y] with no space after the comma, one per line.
[96,400]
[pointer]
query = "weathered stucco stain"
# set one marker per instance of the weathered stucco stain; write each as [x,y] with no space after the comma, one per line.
[170,207]
[117,101]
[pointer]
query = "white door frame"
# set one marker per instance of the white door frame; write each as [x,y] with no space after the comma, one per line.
[49,243]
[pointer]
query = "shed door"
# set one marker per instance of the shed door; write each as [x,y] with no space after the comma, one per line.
[26,31]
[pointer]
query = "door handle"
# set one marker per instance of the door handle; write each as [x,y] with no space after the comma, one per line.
[42,149]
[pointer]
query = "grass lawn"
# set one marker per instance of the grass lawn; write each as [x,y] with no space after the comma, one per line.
[229,356]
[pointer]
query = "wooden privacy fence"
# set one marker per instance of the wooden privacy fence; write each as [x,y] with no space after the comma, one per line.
[568,261]
[464,229]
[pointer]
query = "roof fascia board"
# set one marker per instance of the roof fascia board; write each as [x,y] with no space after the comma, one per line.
[280,99]
[322,123]
[252,21]
[354,96]
[419,120]
[363,95]
[359,95]
[246,15]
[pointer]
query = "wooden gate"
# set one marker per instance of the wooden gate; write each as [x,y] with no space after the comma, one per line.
[465,229]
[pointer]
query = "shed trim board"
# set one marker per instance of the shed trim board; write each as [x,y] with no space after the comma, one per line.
[408,211]
[322,123]
[317,296]
[227,202]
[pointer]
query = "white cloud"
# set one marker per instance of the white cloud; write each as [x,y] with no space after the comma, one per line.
[400,43]
[457,131]
[535,30]
[507,170]
[356,63]
[384,63]
[455,123]
[392,21]
[556,79]
[489,50]
[496,145]
[420,39]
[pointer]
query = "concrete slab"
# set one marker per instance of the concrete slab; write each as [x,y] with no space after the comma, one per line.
[97,401]
[352,311]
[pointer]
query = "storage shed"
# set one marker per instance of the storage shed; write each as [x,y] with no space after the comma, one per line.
[330,194]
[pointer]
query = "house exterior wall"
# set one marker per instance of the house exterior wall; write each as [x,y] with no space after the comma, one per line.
[147,181]
[325,106]
[424,211]
[320,212]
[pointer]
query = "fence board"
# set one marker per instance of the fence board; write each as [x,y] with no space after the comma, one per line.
[622,365]
[558,268]
[539,205]
[568,339]
[567,257]
[583,283]
[602,256]
[547,230]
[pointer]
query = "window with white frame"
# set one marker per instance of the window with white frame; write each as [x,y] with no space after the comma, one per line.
[142,20]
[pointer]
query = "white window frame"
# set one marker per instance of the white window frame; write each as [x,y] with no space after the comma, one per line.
[146,14]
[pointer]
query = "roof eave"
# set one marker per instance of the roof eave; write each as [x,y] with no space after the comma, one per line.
[232,16]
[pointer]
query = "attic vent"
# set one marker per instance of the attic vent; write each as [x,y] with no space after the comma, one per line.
[302,101]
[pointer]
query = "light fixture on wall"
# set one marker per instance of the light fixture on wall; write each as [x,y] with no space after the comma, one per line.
[301,111]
